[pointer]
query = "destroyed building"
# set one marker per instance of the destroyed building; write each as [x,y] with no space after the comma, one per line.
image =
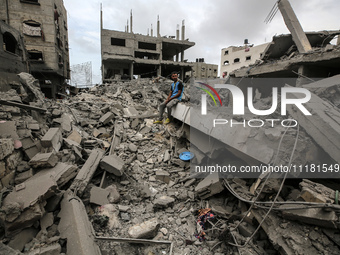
[125,54]
[13,55]
[44,27]
[92,174]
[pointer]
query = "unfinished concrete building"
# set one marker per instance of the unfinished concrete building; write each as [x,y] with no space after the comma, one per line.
[202,70]
[125,54]
[44,26]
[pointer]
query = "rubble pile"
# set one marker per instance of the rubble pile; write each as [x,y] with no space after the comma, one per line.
[92,174]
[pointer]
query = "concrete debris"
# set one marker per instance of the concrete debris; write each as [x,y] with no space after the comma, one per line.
[56,200]
[209,186]
[113,164]
[87,171]
[147,229]
[75,227]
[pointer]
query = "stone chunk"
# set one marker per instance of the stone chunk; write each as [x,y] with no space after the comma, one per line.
[21,239]
[106,118]
[113,164]
[147,229]
[209,186]
[52,138]
[6,148]
[99,196]
[114,195]
[163,176]
[163,202]
[44,160]
[5,249]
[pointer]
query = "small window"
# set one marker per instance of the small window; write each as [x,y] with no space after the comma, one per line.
[226,52]
[226,63]
[248,58]
[236,60]
[35,55]
[118,42]
[10,43]
[30,1]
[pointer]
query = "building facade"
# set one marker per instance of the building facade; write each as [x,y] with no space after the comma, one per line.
[43,24]
[235,57]
[126,54]
[202,70]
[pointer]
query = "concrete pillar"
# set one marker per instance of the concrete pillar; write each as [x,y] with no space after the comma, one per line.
[182,55]
[159,70]
[158,26]
[131,22]
[151,30]
[182,74]
[131,70]
[294,26]
[304,73]
[177,55]
[183,30]
[177,32]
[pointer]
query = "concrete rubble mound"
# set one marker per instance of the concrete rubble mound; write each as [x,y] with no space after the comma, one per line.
[92,174]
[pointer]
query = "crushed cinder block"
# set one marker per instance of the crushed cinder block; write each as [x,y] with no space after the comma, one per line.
[209,186]
[52,138]
[113,164]
[163,176]
[75,226]
[6,147]
[44,160]
[106,118]
[99,196]
[75,136]
[147,229]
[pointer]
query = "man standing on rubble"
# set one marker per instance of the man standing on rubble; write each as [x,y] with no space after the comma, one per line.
[174,97]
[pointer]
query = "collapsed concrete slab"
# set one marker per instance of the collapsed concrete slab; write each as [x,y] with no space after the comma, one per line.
[75,226]
[324,124]
[314,216]
[24,206]
[87,171]
[292,238]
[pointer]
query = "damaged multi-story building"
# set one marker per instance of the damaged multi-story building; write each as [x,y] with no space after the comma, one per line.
[127,54]
[203,70]
[43,25]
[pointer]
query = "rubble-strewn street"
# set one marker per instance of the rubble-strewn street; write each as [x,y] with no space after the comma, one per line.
[92,174]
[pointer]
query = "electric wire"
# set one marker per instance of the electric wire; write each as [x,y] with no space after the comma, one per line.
[277,195]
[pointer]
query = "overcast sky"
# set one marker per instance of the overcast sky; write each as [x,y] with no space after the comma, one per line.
[212,25]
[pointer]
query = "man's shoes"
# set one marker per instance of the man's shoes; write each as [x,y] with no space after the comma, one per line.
[167,121]
[158,122]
